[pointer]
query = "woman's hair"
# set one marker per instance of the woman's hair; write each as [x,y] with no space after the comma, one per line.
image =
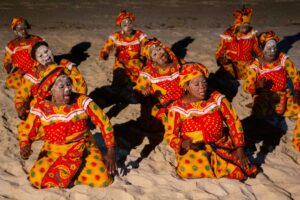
[36,46]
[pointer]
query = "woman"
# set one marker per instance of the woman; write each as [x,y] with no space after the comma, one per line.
[17,60]
[235,51]
[268,78]
[194,129]
[128,43]
[26,95]
[69,155]
[160,77]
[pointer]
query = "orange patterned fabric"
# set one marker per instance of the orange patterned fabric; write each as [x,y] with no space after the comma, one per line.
[128,52]
[66,136]
[18,53]
[264,37]
[16,21]
[123,15]
[190,71]
[203,122]
[242,16]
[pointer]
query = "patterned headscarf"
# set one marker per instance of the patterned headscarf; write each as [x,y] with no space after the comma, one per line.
[264,37]
[123,15]
[190,71]
[18,20]
[146,49]
[242,16]
[48,79]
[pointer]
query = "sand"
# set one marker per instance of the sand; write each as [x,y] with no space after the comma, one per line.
[65,24]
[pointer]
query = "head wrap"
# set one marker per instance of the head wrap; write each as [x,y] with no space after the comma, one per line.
[147,47]
[123,15]
[18,20]
[264,37]
[242,16]
[190,71]
[48,79]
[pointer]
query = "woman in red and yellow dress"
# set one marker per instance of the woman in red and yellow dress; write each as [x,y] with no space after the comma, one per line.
[237,45]
[17,59]
[26,95]
[270,73]
[128,43]
[160,77]
[195,130]
[69,155]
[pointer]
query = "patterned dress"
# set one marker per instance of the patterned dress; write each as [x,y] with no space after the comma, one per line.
[202,121]
[278,72]
[239,49]
[69,154]
[164,84]
[18,55]
[128,50]
[27,95]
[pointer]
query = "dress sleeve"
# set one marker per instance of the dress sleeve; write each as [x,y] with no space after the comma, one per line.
[142,82]
[172,131]
[292,73]
[108,46]
[234,124]
[257,50]
[29,129]
[100,119]
[23,94]
[250,82]
[78,82]
[7,60]
[221,48]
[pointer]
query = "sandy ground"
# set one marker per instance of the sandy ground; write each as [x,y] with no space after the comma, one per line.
[65,24]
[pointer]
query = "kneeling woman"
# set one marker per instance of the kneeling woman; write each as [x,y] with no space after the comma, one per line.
[195,131]
[69,155]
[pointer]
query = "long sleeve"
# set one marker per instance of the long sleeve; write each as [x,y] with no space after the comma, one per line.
[233,123]
[142,83]
[78,81]
[250,81]
[29,130]
[7,61]
[292,73]
[23,94]
[221,48]
[172,131]
[100,119]
[108,46]
[257,50]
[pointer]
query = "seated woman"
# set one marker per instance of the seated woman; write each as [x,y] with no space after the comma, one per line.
[17,59]
[128,43]
[26,95]
[160,77]
[69,155]
[268,78]
[195,130]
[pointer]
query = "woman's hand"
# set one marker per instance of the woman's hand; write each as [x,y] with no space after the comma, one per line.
[185,145]
[111,160]
[23,112]
[25,152]
[241,156]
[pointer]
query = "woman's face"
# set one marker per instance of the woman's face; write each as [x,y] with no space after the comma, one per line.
[270,50]
[159,55]
[61,89]
[197,87]
[44,55]
[126,26]
[244,28]
[21,30]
